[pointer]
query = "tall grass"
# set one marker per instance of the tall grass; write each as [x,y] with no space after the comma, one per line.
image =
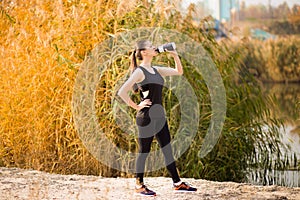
[42,44]
[273,60]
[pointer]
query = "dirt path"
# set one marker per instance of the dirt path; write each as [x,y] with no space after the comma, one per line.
[29,184]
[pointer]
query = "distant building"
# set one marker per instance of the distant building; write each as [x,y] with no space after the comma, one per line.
[223,10]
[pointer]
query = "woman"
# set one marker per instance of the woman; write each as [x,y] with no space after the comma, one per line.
[151,120]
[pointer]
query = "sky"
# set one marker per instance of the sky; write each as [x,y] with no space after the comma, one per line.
[274,3]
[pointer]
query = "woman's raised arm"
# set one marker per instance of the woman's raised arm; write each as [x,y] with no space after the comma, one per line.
[169,71]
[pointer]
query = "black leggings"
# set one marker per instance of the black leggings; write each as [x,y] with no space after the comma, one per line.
[147,130]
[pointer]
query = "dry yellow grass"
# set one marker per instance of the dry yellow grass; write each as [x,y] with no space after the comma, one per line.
[41,46]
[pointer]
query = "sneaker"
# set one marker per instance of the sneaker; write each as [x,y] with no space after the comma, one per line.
[184,187]
[144,191]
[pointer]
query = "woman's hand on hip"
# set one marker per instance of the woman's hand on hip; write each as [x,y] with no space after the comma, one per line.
[144,104]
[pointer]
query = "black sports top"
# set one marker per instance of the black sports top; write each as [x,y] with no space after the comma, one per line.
[150,88]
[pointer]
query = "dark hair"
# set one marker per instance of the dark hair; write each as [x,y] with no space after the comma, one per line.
[140,45]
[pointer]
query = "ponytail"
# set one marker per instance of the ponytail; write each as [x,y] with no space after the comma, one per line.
[137,55]
[133,66]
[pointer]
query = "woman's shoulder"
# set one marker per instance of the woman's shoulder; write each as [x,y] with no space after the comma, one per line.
[157,68]
[138,74]
[137,70]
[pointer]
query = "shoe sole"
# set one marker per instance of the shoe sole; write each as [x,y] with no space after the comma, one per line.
[183,191]
[143,195]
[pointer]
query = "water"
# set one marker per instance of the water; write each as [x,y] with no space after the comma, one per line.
[288,96]
[288,178]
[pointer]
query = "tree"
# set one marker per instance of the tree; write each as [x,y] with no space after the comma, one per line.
[294,16]
[282,11]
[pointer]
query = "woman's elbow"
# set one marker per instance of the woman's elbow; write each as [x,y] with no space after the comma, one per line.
[120,92]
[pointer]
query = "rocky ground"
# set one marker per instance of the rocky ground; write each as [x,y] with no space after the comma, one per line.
[30,184]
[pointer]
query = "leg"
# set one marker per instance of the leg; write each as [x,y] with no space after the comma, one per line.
[144,149]
[163,137]
[144,144]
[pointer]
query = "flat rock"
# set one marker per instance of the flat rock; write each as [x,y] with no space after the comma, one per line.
[30,184]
